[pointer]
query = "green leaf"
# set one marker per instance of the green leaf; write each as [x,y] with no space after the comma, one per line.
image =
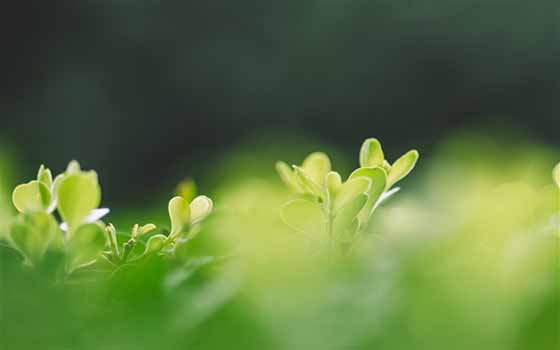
[78,194]
[402,167]
[346,218]
[378,178]
[304,217]
[85,245]
[307,182]
[349,191]
[33,196]
[155,243]
[200,207]
[333,183]
[32,233]
[556,174]
[371,153]
[180,215]
[288,177]
[316,166]
[44,175]
[73,168]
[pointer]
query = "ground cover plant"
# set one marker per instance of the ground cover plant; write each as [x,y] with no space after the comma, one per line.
[466,254]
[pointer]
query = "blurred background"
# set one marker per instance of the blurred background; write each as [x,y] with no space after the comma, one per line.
[149,92]
[141,88]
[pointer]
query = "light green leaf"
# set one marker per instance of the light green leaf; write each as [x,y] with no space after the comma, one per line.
[346,219]
[32,233]
[378,178]
[155,243]
[180,215]
[288,177]
[200,207]
[333,183]
[304,217]
[85,245]
[44,175]
[316,166]
[556,174]
[78,194]
[73,168]
[33,196]
[371,153]
[349,191]
[307,183]
[401,167]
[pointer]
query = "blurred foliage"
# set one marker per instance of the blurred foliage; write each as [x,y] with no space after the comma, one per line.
[466,257]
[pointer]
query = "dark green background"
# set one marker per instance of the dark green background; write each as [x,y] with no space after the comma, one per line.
[133,88]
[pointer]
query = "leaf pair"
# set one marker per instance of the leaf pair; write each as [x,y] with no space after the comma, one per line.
[309,177]
[371,155]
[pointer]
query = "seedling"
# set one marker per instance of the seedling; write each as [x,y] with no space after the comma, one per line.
[328,208]
[82,236]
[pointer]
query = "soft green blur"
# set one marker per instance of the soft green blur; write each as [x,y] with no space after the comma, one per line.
[464,256]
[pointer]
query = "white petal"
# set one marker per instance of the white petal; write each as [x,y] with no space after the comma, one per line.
[96,214]
[386,195]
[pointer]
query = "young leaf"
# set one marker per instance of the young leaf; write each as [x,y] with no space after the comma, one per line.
[44,175]
[155,243]
[348,214]
[78,194]
[180,215]
[304,216]
[288,177]
[200,208]
[378,178]
[307,182]
[85,245]
[33,196]
[316,166]
[401,167]
[371,153]
[32,233]
[349,191]
[333,183]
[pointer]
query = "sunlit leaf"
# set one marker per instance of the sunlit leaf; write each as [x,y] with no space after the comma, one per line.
[307,183]
[304,217]
[44,175]
[78,195]
[180,215]
[401,167]
[345,218]
[378,179]
[371,153]
[287,175]
[316,166]
[333,183]
[33,196]
[556,175]
[350,190]
[200,208]
[155,243]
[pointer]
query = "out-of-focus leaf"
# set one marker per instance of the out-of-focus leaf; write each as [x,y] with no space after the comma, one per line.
[307,182]
[402,167]
[33,196]
[316,166]
[371,153]
[85,245]
[180,215]
[200,208]
[304,216]
[78,195]
[32,233]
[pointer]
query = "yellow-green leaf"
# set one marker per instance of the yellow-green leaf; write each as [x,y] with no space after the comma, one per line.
[304,217]
[200,207]
[556,175]
[371,153]
[32,233]
[378,178]
[347,216]
[316,166]
[350,190]
[78,194]
[180,215]
[33,196]
[307,183]
[402,167]
[85,245]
